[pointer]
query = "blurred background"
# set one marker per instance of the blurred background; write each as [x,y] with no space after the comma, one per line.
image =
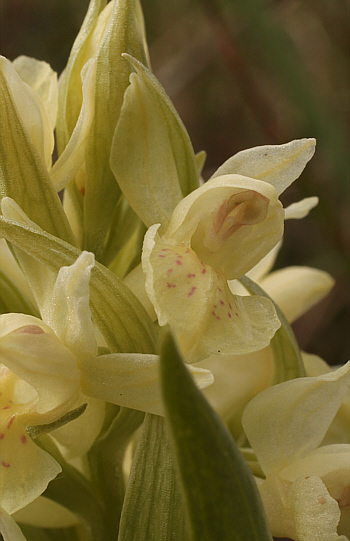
[243,73]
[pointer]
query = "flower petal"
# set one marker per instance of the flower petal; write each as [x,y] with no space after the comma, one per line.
[300,209]
[287,421]
[231,222]
[31,111]
[78,436]
[43,79]
[68,312]
[237,379]
[196,302]
[296,289]
[71,159]
[9,529]
[316,513]
[34,353]
[131,380]
[25,469]
[279,165]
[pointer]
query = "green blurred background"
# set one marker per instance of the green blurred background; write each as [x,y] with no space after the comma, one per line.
[243,73]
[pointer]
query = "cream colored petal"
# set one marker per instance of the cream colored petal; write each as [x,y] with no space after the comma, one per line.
[296,289]
[265,265]
[338,431]
[237,379]
[279,165]
[316,513]
[288,421]
[25,469]
[9,529]
[31,111]
[131,380]
[71,159]
[45,513]
[10,267]
[232,222]
[135,280]
[78,436]
[43,79]
[68,312]
[34,353]
[300,209]
[196,302]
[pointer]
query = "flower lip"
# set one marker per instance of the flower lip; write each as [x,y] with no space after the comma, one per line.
[244,208]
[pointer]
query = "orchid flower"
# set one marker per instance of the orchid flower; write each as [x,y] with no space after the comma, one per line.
[218,233]
[33,348]
[306,489]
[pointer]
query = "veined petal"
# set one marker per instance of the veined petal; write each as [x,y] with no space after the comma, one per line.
[288,421]
[25,469]
[31,111]
[300,209]
[196,302]
[296,289]
[70,161]
[68,312]
[9,529]
[231,222]
[316,513]
[131,380]
[43,79]
[279,165]
[35,354]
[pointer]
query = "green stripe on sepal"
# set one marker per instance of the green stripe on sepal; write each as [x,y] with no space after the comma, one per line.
[286,352]
[121,318]
[12,300]
[223,501]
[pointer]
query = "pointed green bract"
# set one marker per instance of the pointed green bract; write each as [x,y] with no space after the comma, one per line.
[112,79]
[70,95]
[222,499]
[153,508]
[141,157]
[181,145]
[23,175]
[122,319]
[286,352]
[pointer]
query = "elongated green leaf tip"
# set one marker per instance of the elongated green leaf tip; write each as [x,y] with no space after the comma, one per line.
[221,496]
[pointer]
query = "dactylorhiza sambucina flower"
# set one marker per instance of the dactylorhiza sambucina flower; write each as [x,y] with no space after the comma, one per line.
[50,366]
[307,486]
[218,233]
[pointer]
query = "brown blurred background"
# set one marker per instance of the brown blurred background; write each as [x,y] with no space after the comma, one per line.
[243,73]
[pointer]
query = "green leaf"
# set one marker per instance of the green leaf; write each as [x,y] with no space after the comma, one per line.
[222,499]
[286,352]
[121,318]
[40,430]
[23,175]
[153,510]
[112,79]
[181,145]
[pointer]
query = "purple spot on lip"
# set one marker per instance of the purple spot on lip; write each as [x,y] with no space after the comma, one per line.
[170,285]
[178,262]
[190,293]
[222,303]
[5,464]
